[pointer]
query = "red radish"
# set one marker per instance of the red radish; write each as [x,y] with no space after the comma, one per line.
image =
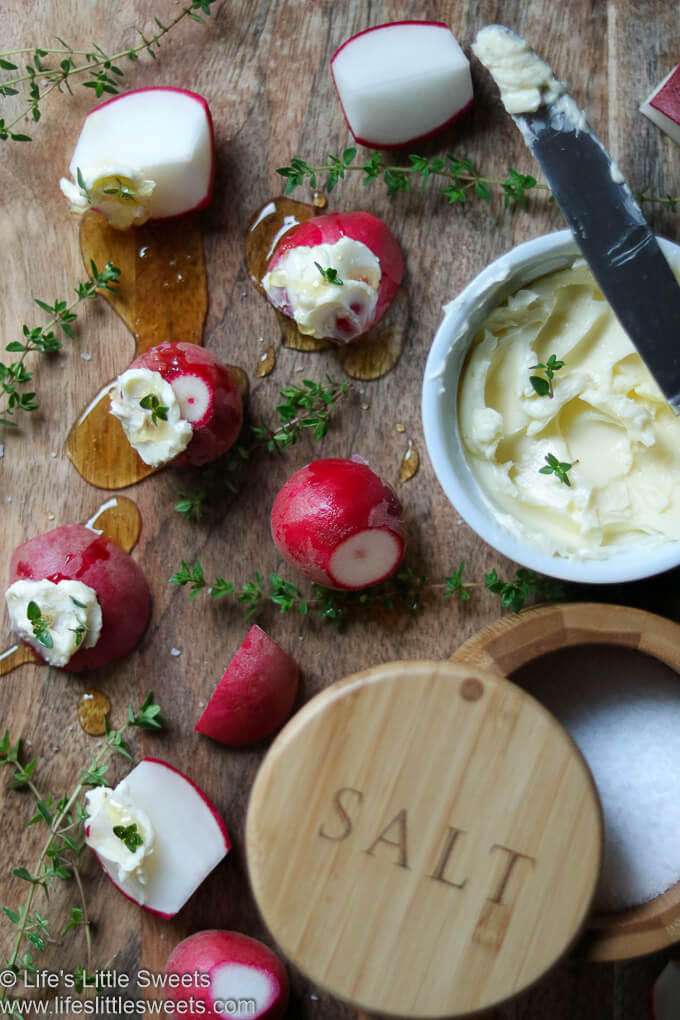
[74,552]
[255,695]
[208,396]
[339,524]
[664,997]
[401,82]
[224,973]
[371,273]
[189,838]
[159,135]
[663,106]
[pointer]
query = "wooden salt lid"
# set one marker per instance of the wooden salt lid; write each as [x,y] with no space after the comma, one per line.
[424,840]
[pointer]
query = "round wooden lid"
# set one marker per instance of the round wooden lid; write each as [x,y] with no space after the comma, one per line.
[424,839]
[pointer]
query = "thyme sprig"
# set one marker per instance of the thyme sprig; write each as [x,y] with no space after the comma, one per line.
[41,631]
[464,179]
[330,275]
[43,340]
[559,468]
[59,860]
[129,836]
[303,410]
[405,589]
[39,78]
[158,411]
[543,384]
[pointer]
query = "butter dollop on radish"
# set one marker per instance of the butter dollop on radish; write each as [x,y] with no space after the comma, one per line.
[401,82]
[146,154]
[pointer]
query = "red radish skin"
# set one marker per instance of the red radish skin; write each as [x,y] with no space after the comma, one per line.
[215,814]
[74,552]
[216,414]
[359,226]
[415,139]
[339,524]
[237,966]
[255,695]
[207,199]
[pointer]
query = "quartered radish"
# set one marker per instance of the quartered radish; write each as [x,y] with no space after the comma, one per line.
[73,552]
[224,973]
[147,154]
[664,997]
[255,695]
[401,82]
[207,394]
[175,836]
[339,524]
[663,106]
[335,274]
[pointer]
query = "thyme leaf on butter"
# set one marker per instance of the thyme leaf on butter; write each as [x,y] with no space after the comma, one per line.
[129,835]
[41,631]
[158,411]
[330,275]
[543,384]
[559,468]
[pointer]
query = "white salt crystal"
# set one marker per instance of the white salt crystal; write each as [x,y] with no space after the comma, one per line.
[86,357]
[175,651]
[622,708]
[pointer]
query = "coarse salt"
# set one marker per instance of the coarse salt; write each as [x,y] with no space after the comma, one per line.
[622,708]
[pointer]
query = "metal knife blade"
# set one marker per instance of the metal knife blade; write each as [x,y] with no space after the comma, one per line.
[612,233]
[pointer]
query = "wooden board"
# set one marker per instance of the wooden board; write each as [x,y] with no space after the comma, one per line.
[263,66]
[447,840]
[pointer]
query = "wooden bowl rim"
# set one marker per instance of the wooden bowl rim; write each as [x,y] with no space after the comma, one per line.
[514,640]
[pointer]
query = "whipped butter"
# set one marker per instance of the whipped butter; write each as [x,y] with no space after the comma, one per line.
[322,309]
[70,617]
[607,417]
[524,79]
[155,439]
[121,194]
[115,809]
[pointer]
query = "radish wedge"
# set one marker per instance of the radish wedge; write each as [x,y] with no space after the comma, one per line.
[147,154]
[401,82]
[189,837]
[663,106]
[255,695]
[339,524]
[245,978]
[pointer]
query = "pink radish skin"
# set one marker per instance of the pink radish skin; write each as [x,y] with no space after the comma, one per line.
[359,226]
[339,524]
[236,966]
[74,552]
[208,394]
[210,184]
[418,137]
[167,915]
[255,695]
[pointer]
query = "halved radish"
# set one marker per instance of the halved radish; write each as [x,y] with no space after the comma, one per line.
[663,106]
[366,267]
[146,154]
[208,396]
[339,524]
[183,836]
[74,552]
[664,998]
[224,973]
[401,82]
[255,695]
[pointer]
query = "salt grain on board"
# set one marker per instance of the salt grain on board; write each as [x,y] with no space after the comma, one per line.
[622,708]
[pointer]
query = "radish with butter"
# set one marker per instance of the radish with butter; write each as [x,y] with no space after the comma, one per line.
[401,82]
[147,154]
[76,598]
[156,835]
[255,695]
[224,973]
[177,402]
[339,524]
[335,275]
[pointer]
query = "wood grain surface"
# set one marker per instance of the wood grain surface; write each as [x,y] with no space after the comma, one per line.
[263,66]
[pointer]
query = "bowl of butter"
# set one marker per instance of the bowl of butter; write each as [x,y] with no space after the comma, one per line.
[545,428]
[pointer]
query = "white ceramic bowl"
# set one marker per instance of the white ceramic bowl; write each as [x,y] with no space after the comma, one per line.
[462,319]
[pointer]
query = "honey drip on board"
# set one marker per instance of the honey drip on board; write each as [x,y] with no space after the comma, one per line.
[410,463]
[118,519]
[265,363]
[162,295]
[93,707]
[368,358]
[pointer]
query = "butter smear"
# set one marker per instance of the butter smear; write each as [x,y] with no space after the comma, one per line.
[524,79]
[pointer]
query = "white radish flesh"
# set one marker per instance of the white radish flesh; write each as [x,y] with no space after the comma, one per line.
[401,82]
[364,557]
[193,396]
[164,134]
